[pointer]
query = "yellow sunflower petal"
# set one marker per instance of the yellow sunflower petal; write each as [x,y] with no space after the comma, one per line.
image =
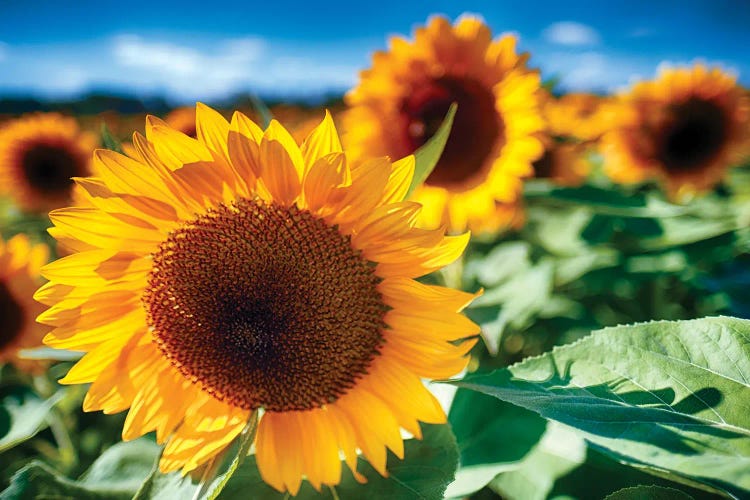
[322,141]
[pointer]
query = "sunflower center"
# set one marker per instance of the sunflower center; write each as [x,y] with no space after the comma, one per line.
[49,168]
[694,135]
[12,317]
[544,166]
[265,306]
[476,130]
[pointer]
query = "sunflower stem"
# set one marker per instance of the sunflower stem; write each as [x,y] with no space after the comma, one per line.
[452,274]
[67,450]
[334,493]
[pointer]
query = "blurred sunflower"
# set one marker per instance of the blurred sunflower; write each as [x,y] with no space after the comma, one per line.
[579,115]
[182,119]
[238,271]
[684,128]
[564,163]
[401,101]
[39,154]
[20,262]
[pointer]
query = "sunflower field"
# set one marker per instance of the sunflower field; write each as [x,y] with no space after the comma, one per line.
[456,281]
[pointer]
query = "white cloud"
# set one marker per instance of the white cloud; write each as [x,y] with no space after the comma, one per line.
[179,61]
[586,68]
[571,34]
[222,67]
[134,52]
[591,70]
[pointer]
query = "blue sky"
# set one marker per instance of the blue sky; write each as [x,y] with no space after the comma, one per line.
[209,50]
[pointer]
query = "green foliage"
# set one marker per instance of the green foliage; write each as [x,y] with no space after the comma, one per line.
[117,474]
[619,388]
[493,437]
[558,452]
[22,416]
[599,256]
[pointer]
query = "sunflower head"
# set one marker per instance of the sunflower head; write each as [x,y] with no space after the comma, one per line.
[564,163]
[39,156]
[685,128]
[233,272]
[401,101]
[579,115]
[20,262]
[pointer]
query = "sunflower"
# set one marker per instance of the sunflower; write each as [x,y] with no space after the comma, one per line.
[20,262]
[236,272]
[401,101]
[182,119]
[579,115]
[685,128]
[564,163]
[39,154]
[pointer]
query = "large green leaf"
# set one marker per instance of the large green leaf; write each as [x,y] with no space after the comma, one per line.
[116,474]
[493,436]
[671,396]
[648,493]
[429,154]
[428,467]
[611,476]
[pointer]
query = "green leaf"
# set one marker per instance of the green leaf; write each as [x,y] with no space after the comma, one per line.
[569,269]
[25,418]
[648,493]
[558,232]
[670,396]
[116,474]
[428,467]
[686,230]
[38,481]
[607,201]
[522,297]
[560,451]
[122,467]
[505,260]
[612,475]
[214,476]
[493,436]
[429,154]
[109,141]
